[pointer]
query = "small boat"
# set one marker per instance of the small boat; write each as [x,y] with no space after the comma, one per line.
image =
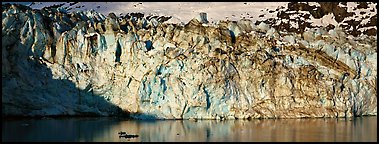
[121,133]
[125,135]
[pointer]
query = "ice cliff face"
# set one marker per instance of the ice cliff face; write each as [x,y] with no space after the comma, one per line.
[58,63]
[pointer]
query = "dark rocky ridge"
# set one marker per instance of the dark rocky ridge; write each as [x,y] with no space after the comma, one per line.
[340,13]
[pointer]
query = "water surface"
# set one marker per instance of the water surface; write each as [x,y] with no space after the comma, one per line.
[271,130]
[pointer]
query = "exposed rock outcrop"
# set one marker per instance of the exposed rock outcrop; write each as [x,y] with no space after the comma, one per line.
[300,16]
[58,63]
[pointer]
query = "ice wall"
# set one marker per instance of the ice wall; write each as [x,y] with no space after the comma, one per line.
[85,63]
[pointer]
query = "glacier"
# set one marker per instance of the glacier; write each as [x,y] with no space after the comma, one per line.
[86,63]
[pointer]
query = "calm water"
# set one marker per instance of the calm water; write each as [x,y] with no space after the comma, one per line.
[106,129]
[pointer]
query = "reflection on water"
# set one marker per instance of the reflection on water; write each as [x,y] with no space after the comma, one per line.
[106,129]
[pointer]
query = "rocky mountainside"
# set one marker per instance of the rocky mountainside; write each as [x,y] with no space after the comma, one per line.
[56,62]
[355,19]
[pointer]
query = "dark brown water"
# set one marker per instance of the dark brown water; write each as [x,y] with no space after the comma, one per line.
[361,129]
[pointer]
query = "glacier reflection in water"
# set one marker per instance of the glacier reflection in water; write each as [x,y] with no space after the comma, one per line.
[106,129]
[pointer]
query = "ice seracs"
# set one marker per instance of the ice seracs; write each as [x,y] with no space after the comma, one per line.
[231,69]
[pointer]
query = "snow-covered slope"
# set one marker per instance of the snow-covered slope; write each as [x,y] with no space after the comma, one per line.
[180,11]
[354,17]
[56,62]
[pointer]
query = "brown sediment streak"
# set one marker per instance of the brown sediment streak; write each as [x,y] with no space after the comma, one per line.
[323,58]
